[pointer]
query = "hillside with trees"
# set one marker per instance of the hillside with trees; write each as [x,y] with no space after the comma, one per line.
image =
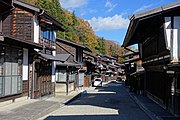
[77,29]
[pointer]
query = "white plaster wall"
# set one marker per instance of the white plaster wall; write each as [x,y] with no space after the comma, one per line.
[177,34]
[174,37]
[168,32]
[36,29]
[53,62]
[25,69]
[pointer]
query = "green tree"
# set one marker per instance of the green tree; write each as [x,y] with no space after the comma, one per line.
[54,8]
[77,29]
[101,46]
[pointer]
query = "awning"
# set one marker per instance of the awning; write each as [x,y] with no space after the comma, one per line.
[12,40]
[58,63]
[131,60]
[48,57]
[58,57]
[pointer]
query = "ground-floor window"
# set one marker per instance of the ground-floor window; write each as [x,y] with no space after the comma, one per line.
[10,70]
[72,76]
[81,79]
[61,75]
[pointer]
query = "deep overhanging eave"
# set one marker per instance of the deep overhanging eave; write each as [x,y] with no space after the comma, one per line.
[131,29]
[135,19]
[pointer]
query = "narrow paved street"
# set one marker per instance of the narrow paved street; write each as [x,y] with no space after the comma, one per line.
[111,102]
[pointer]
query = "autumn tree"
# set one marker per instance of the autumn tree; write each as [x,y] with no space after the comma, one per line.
[77,29]
[101,46]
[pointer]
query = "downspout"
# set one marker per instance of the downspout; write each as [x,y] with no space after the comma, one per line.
[42,12]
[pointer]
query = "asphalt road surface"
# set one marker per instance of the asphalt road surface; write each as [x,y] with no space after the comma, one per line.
[110,102]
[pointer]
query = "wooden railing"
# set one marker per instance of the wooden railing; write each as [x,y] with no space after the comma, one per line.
[47,43]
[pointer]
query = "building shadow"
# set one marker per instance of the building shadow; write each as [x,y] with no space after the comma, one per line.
[111,96]
[84,117]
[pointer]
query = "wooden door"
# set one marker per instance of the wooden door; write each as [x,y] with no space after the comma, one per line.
[86,81]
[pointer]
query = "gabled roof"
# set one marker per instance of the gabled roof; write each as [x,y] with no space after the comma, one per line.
[73,44]
[48,57]
[62,57]
[138,18]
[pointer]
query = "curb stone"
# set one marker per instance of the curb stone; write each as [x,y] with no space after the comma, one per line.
[150,114]
[145,109]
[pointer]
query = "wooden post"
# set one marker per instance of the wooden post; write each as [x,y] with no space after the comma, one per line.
[67,81]
[33,78]
[0,23]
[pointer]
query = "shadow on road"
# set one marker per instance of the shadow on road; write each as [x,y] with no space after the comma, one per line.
[111,96]
[83,117]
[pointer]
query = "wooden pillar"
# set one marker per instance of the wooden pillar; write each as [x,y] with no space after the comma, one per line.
[0,23]
[144,92]
[67,81]
[33,78]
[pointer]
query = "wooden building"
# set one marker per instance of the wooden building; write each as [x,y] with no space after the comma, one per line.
[27,43]
[89,62]
[157,34]
[134,72]
[72,72]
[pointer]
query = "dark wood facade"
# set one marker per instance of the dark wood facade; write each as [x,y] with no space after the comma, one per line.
[159,51]
[27,42]
[19,25]
[75,59]
[11,47]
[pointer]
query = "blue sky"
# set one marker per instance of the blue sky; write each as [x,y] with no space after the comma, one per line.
[109,18]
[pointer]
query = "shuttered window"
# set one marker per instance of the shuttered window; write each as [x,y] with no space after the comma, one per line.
[72,76]
[61,75]
[81,78]
[10,70]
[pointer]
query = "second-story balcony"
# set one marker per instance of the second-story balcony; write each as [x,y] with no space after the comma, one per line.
[47,37]
[47,43]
